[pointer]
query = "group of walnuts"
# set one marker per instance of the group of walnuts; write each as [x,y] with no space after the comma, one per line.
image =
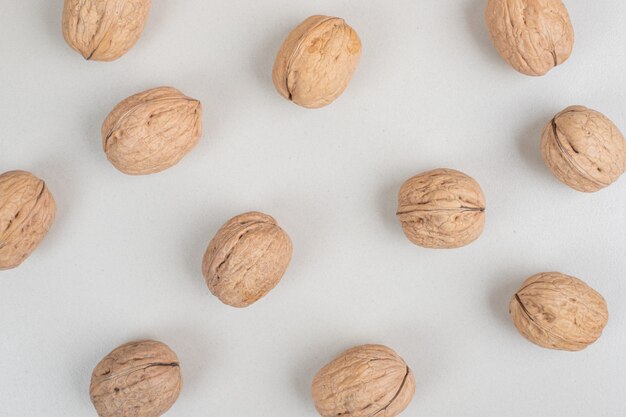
[153,130]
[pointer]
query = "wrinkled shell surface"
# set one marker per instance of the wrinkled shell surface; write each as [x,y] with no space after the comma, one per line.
[138,379]
[365,381]
[584,149]
[557,311]
[442,208]
[104,30]
[316,61]
[27,211]
[151,131]
[533,36]
[246,259]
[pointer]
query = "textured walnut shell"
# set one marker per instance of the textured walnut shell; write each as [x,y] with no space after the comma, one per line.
[584,149]
[442,208]
[151,131]
[138,379]
[27,211]
[533,36]
[103,30]
[246,259]
[557,311]
[365,381]
[316,61]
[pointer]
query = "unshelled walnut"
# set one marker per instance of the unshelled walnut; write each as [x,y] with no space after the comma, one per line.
[533,36]
[104,30]
[151,131]
[442,208]
[584,149]
[556,311]
[138,379]
[246,259]
[316,61]
[27,211]
[365,381]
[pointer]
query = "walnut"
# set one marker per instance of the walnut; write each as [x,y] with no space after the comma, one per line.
[316,61]
[533,36]
[246,259]
[584,149]
[103,30]
[151,131]
[368,380]
[442,208]
[557,311]
[138,379]
[27,211]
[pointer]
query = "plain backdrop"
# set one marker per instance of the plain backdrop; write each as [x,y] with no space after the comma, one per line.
[123,260]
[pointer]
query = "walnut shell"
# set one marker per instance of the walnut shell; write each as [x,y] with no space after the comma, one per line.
[533,36]
[103,30]
[368,380]
[246,259]
[151,131]
[557,311]
[584,149]
[27,211]
[316,62]
[138,379]
[442,208]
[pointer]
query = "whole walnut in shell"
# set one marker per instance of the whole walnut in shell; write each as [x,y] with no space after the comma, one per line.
[315,63]
[533,36]
[584,149]
[365,381]
[138,379]
[556,311]
[27,211]
[442,208]
[246,259]
[151,131]
[103,30]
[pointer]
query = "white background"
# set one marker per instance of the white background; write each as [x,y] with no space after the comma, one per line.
[122,262]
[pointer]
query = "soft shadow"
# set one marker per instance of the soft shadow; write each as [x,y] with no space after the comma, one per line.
[529,143]
[52,15]
[500,295]
[388,204]
[477,27]
[264,55]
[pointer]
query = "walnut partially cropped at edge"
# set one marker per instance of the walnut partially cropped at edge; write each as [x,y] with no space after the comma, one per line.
[533,36]
[316,61]
[365,381]
[246,259]
[27,211]
[138,379]
[556,311]
[584,149]
[441,209]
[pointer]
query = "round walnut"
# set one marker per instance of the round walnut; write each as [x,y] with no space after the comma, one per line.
[104,30]
[27,212]
[368,380]
[584,149]
[138,379]
[557,311]
[533,36]
[442,208]
[151,131]
[316,61]
[246,259]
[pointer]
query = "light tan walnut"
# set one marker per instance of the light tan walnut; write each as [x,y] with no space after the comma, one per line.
[151,131]
[584,149]
[442,208]
[557,311]
[246,259]
[27,211]
[104,30]
[365,381]
[316,62]
[533,36]
[138,379]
